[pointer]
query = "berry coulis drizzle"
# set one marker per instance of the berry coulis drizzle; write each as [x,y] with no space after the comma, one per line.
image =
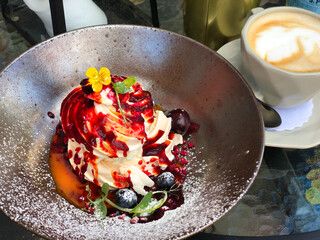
[73,188]
[76,110]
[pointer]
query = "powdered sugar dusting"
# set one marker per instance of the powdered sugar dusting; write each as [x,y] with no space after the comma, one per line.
[30,89]
[29,198]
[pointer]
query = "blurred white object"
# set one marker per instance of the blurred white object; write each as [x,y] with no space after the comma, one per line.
[78,13]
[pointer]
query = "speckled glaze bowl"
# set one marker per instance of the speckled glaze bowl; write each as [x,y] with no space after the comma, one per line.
[179,72]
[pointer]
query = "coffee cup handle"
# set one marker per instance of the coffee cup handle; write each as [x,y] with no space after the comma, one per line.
[254,11]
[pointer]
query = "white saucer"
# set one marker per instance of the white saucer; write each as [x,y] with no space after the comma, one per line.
[306,136]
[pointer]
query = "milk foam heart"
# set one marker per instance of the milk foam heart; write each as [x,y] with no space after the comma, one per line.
[288,40]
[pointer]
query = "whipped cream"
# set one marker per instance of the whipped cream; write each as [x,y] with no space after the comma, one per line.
[103,148]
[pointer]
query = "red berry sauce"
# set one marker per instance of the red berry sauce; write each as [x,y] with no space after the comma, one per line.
[73,188]
[76,111]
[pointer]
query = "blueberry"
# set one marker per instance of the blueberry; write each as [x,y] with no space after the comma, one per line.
[165,180]
[126,198]
[180,121]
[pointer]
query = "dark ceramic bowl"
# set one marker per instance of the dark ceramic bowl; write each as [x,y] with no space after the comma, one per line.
[179,72]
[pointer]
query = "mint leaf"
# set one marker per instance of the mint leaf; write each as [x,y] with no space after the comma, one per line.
[149,204]
[89,193]
[120,108]
[105,188]
[88,189]
[125,86]
[120,87]
[100,208]
[130,81]
[146,206]
[144,203]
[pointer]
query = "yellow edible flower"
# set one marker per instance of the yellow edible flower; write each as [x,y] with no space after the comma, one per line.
[97,80]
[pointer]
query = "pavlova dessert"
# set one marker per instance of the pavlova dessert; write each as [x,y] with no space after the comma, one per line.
[116,153]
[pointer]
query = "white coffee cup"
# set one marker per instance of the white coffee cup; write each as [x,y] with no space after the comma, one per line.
[284,78]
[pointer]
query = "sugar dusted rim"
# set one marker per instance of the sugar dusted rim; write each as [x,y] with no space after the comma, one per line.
[215,182]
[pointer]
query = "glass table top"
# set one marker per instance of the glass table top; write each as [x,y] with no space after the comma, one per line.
[284,200]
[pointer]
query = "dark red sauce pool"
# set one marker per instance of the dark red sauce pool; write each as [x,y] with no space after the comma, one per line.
[78,108]
[73,188]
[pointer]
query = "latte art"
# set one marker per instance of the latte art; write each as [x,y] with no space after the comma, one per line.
[288,40]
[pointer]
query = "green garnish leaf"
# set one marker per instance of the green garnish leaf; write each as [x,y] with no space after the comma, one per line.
[88,189]
[144,203]
[117,207]
[130,81]
[105,188]
[149,204]
[100,209]
[89,194]
[120,108]
[120,87]
[125,86]
[146,206]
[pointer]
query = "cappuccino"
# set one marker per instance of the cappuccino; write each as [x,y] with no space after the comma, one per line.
[287,40]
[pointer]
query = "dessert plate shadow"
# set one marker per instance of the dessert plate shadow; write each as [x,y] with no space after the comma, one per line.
[305,136]
[180,73]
